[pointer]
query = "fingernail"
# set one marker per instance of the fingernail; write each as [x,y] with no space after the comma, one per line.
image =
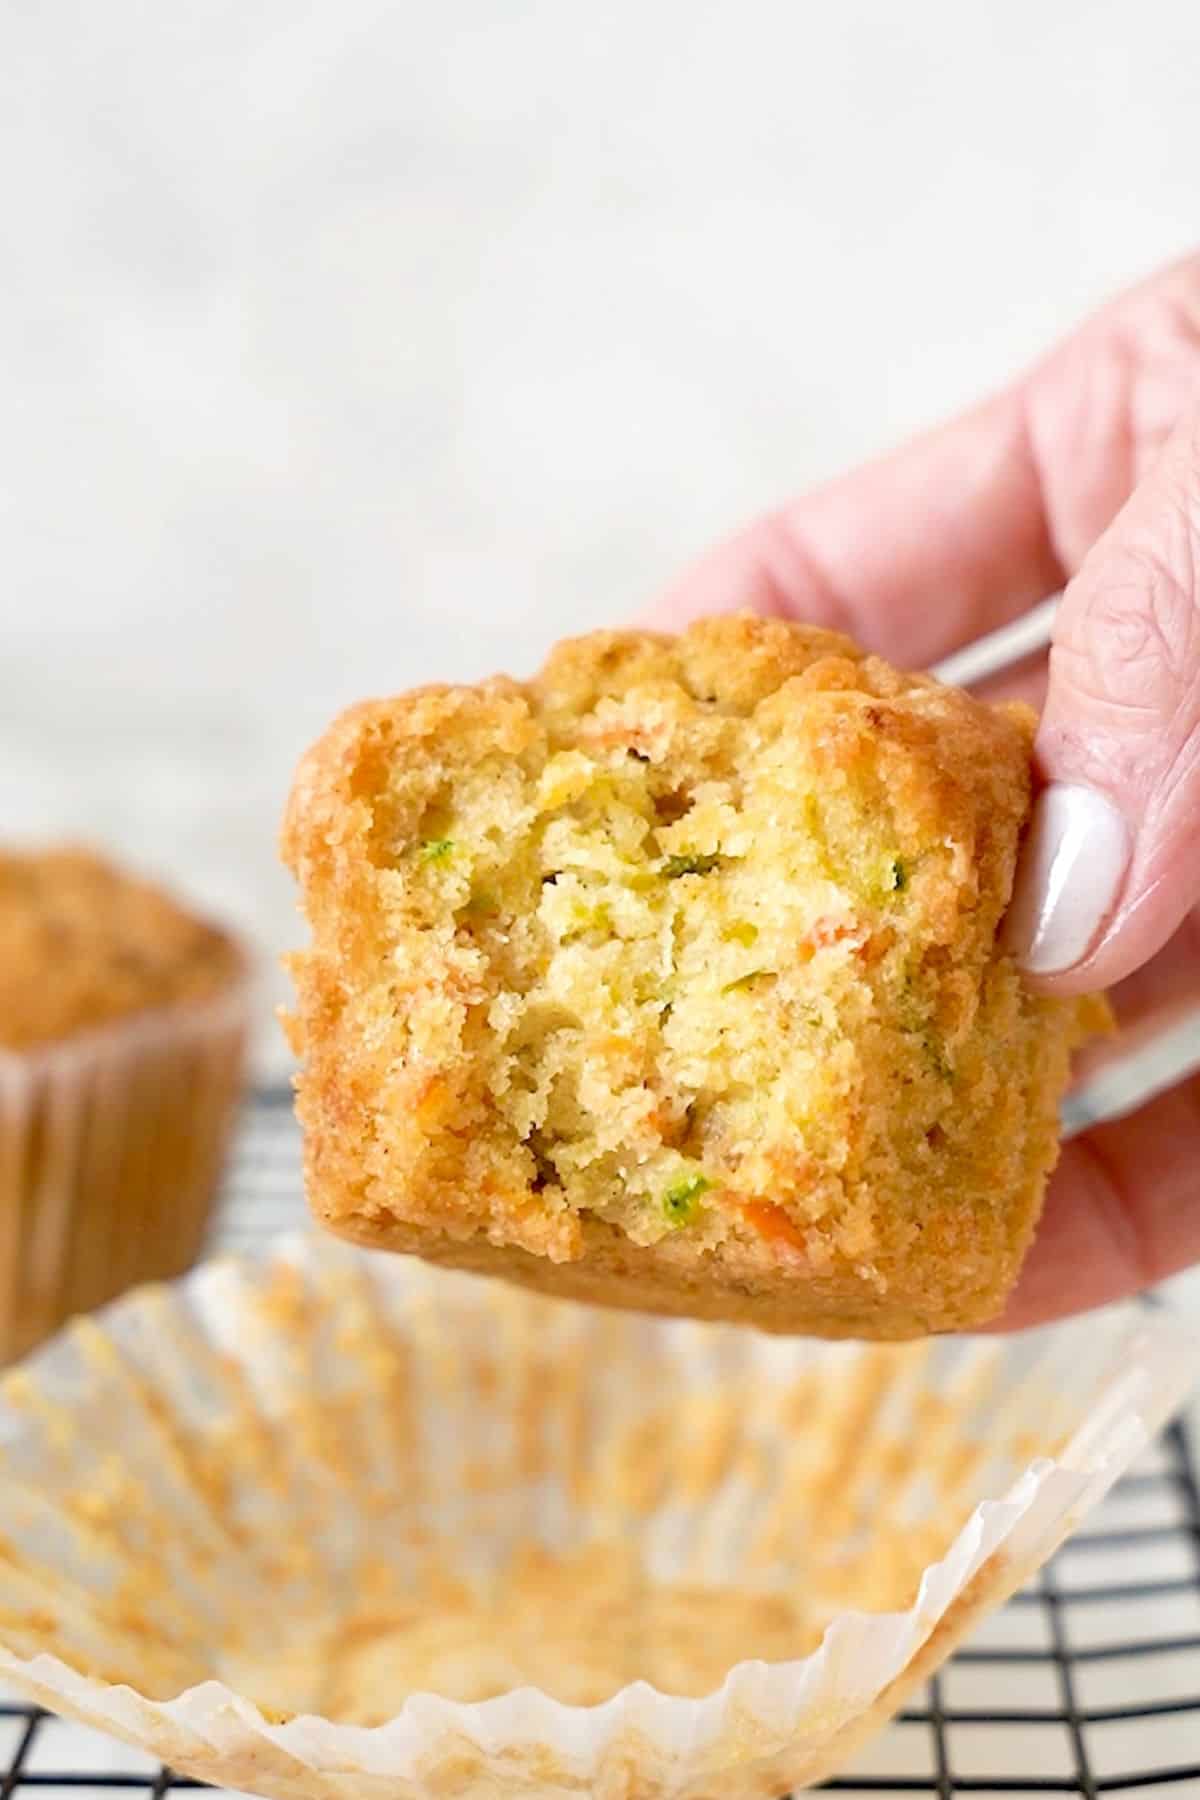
[1072,866]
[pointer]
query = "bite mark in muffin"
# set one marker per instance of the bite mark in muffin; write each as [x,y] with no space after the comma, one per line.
[670,979]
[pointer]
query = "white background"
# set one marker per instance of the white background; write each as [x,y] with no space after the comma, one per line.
[348,344]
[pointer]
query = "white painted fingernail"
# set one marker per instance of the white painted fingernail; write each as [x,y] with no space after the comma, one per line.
[1072,867]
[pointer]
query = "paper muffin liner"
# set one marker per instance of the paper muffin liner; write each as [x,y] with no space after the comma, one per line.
[332,1524]
[111,1147]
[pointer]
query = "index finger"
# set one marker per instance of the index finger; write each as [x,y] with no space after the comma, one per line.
[911,555]
[965,528]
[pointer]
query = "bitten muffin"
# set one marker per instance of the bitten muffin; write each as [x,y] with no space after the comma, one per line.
[122,1029]
[670,979]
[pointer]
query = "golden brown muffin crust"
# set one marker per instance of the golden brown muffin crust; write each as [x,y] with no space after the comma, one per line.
[670,979]
[83,944]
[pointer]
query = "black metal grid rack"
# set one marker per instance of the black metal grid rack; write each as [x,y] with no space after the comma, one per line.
[1086,1683]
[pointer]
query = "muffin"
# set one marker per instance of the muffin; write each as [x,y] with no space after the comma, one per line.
[671,979]
[122,1033]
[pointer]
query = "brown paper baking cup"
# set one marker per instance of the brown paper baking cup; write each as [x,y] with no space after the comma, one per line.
[330,1525]
[111,1147]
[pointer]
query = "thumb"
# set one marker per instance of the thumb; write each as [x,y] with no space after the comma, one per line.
[1111,863]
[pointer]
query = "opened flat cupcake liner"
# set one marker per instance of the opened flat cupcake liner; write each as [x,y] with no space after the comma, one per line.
[111,1148]
[331,1524]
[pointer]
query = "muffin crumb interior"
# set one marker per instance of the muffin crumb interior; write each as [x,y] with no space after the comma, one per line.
[690,940]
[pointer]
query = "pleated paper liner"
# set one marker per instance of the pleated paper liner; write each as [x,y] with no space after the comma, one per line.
[337,1525]
[111,1147]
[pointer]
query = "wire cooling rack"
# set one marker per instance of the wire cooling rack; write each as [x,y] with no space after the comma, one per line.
[1086,1683]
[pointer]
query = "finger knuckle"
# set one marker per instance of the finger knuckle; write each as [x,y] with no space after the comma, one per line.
[1127,663]
[1136,643]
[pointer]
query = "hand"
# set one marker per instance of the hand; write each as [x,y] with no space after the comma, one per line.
[1083,476]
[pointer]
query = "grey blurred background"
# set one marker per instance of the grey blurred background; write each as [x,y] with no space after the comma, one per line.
[352,344]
